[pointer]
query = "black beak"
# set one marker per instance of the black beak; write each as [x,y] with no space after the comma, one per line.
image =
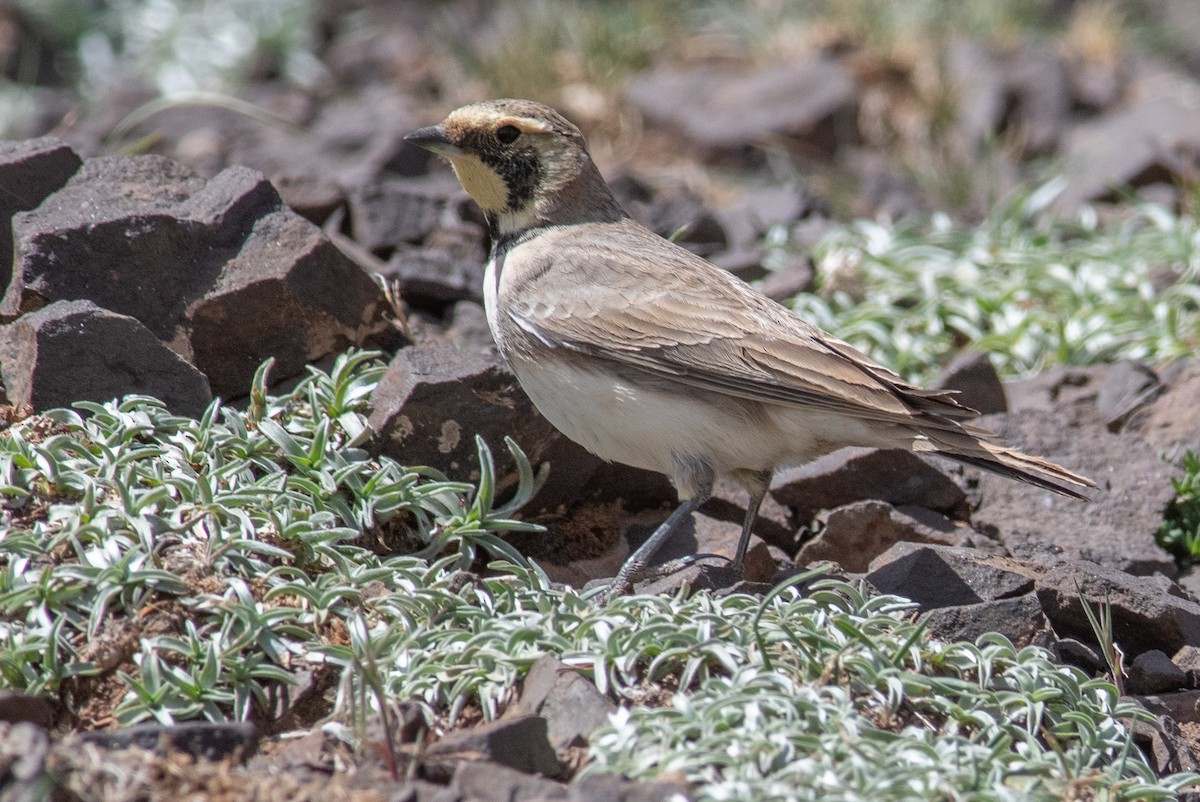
[434,138]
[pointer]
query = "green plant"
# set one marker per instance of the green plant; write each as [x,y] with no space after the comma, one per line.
[1180,530]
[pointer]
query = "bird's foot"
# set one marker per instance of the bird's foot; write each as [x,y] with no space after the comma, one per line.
[624,581]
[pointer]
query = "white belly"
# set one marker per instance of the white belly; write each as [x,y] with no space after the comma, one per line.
[646,428]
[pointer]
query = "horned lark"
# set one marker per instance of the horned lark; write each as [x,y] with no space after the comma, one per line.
[646,354]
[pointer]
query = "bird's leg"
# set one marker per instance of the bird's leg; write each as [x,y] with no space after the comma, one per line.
[757,483]
[636,564]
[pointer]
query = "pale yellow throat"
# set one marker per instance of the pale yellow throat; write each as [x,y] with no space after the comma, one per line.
[481,182]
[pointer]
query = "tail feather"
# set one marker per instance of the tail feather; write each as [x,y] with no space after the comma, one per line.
[964,447]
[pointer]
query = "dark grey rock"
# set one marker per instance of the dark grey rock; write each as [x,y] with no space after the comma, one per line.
[1019,619]
[1145,616]
[491,782]
[211,740]
[1116,528]
[17,707]
[728,504]
[30,170]
[392,211]
[610,788]
[516,742]
[974,376]
[447,268]
[1181,705]
[721,108]
[1166,747]
[857,474]
[1153,672]
[942,576]
[433,400]
[1151,138]
[571,704]
[219,270]
[857,533]
[74,351]
[1075,652]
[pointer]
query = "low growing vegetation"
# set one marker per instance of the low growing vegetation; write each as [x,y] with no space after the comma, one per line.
[196,567]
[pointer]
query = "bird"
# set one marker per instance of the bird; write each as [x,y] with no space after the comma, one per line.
[649,355]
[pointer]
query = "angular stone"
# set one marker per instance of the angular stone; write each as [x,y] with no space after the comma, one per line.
[1181,706]
[24,748]
[391,212]
[974,376]
[1145,616]
[434,399]
[30,170]
[517,742]
[220,270]
[1153,672]
[448,268]
[1152,137]
[1019,619]
[1116,528]
[571,704]
[74,351]
[728,504]
[481,782]
[1172,423]
[857,474]
[17,707]
[1127,386]
[942,576]
[611,788]
[211,740]
[721,108]
[857,533]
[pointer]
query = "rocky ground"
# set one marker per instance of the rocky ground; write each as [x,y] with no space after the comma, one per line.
[237,238]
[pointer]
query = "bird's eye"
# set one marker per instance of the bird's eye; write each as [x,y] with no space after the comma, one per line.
[507,134]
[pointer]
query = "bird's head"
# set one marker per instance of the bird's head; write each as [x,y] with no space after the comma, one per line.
[522,162]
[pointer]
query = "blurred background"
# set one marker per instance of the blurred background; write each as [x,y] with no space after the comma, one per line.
[886,108]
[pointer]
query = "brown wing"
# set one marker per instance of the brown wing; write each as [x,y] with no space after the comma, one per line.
[687,321]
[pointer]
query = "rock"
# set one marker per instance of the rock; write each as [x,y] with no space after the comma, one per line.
[570,703]
[793,276]
[1127,385]
[1153,672]
[974,376]
[220,270]
[1066,388]
[447,268]
[1145,616]
[1181,706]
[723,109]
[941,576]
[610,788]
[18,707]
[1116,528]
[1039,99]
[433,400]
[1072,651]
[24,748]
[30,170]
[1165,746]
[728,504]
[857,533]
[211,740]
[392,212]
[74,351]
[475,781]
[681,215]
[856,474]
[1019,619]
[516,742]
[1152,138]
[1172,422]
[1188,659]
[760,209]
[977,79]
